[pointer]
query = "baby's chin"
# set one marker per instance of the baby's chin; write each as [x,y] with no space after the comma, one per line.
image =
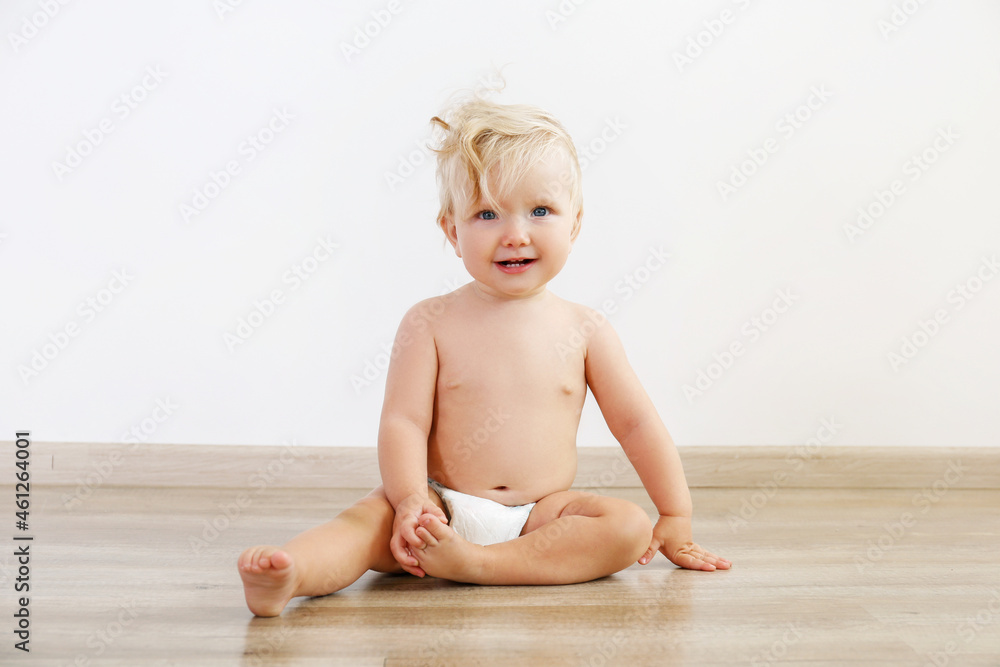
[509,293]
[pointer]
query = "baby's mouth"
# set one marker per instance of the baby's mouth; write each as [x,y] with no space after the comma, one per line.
[514,263]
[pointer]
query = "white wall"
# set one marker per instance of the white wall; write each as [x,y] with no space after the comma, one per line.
[681,129]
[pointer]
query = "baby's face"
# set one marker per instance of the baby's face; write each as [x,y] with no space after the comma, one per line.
[515,251]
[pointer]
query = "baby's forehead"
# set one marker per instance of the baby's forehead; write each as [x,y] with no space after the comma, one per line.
[555,156]
[547,173]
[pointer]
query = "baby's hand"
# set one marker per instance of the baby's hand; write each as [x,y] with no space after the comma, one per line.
[404,535]
[672,537]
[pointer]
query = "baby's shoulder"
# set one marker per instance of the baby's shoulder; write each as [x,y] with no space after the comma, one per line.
[425,313]
[590,328]
[577,311]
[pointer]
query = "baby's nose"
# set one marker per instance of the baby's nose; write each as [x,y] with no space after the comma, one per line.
[515,232]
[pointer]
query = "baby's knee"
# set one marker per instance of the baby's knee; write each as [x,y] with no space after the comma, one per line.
[635,528]
[374,508]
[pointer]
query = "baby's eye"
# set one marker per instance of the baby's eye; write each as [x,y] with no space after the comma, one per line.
[544,211]
[487,215]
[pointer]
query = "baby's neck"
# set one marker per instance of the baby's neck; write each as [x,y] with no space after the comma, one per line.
[540,295]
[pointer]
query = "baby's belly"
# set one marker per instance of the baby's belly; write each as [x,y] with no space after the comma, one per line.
[508,460]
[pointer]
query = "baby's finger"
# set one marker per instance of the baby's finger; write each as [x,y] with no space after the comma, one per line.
[708,556]
[433,510]
[398,550]
[404,556]
[406,547]
[717,561]
[413,569]
[692,562]
[408,530]
[650,552]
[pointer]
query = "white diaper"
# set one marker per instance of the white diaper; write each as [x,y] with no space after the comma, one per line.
[480,520]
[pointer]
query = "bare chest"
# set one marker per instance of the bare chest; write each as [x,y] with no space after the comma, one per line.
[518,364]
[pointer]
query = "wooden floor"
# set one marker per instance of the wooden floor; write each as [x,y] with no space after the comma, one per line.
[137,576]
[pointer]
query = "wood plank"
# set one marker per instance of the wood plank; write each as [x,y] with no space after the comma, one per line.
[794,596]
[86,466]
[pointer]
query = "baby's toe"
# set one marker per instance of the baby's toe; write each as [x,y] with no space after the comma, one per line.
[428,537]
[279,560]
[433,525]
[249,558]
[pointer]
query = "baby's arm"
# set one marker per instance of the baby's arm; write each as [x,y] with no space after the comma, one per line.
[634,422]
[407,413]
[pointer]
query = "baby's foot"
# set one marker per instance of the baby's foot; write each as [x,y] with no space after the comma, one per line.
[447,555]
[268,579]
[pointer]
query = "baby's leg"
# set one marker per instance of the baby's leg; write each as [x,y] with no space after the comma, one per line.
[570,537]
[321,560]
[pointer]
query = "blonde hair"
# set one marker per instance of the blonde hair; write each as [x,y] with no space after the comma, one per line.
[482,139]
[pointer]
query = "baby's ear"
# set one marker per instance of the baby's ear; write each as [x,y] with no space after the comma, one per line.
[448,227]
[576,225]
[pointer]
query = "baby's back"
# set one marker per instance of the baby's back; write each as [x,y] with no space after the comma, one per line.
[510,389]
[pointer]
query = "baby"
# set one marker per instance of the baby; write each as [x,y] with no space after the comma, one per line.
[477,439]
